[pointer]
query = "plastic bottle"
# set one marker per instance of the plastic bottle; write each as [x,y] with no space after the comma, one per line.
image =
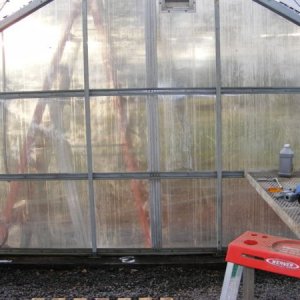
[286,161]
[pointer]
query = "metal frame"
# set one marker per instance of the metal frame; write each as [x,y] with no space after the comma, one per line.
[152,112]
[88,126]
[282,9]
[23,12]
[218,126]
[151,93]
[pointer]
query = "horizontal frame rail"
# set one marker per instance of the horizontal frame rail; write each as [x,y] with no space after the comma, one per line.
[147,92]
[120,176]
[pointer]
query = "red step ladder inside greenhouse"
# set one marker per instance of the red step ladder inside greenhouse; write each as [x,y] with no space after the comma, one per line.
[254,250]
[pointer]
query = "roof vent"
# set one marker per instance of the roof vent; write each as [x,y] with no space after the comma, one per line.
[178,5]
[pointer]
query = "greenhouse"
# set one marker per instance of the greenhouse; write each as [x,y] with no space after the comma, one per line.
[131,126]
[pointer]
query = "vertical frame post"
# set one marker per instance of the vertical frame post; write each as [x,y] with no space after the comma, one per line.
[153,130]
[88,127]
[218,126]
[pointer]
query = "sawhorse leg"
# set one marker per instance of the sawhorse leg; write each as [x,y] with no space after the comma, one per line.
[248,283]
[232,282]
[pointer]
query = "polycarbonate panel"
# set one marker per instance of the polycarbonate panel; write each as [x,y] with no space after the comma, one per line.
[119,134]
[122,214]
[44,50]
[117,44]
[258,47]
[244,209]
[255,128]
[186,47]
[42,136]
[2,64]
[187,133]
[45,214]
[188,213]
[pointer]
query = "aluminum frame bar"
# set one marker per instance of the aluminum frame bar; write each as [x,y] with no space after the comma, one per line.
[23,12]
[43,95]
[218,127]
[281,9]
[153,123]
[120,176]
[88,127]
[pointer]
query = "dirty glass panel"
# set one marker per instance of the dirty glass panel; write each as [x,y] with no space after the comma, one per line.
[188,213]
[44,50]
[258,47]
[42,136]
[119,134]
[186,47]
[187,133]
[117,44]
[255,128]
[122,213]
[44,214]
[244,209]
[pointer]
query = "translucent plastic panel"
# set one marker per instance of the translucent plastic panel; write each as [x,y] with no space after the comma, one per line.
[44,214]
[188,213]
[122,214]
[2,65]
[244,209]
[186,47]
[255,128]
[119,134]
[117,44]
[187,133]
[44,50]
[42,136]
[259,48]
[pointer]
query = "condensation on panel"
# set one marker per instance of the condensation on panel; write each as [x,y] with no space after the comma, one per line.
[119,134]
[42,136]
[188,213]
[244,209]
[117,44]
[44,214]
[187,133]
[258,47]
[255,128]
[44,50]
[186,47]
[122,214]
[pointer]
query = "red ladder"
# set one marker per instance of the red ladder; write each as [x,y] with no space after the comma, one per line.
[254,250]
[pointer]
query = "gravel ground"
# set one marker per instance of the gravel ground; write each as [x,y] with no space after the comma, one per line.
[178,281]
